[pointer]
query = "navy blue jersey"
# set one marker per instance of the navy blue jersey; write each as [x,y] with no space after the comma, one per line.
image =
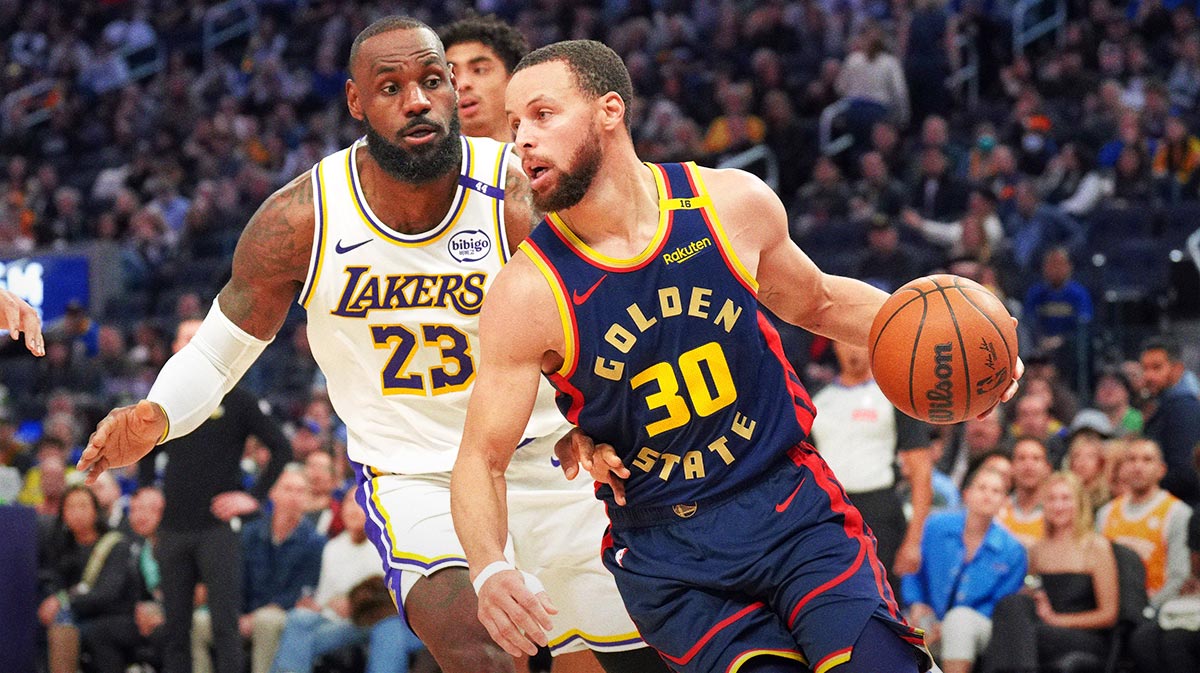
[667,356]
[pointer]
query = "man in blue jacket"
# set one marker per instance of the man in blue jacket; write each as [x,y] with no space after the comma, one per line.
[968,563]
[281,559]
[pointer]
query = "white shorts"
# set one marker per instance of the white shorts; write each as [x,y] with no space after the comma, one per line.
[555,528]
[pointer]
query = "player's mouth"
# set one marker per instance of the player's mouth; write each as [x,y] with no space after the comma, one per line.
[420,134]
[538,172]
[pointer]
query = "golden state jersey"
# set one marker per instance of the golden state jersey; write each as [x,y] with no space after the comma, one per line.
[393,319]
[667,356]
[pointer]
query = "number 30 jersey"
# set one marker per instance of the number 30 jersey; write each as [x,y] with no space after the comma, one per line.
[393,319]
[667,356]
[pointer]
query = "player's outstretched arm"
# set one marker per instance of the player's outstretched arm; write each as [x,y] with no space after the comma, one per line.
[517,328]
[269,267]
[789,283]
[19,318]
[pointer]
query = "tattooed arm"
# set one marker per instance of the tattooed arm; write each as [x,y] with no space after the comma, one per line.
[269,267]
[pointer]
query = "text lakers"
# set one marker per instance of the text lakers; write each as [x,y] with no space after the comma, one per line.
[368,292]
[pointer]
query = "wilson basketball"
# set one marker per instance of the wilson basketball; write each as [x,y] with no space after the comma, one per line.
[943,349]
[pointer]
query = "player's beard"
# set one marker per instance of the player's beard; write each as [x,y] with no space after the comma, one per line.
[422,165]
[575,180]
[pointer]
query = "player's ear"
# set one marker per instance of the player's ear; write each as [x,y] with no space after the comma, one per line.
[352,100]
[613,110]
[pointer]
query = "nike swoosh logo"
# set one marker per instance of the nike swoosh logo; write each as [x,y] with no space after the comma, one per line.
[339,249]
[579,299]
[782,507]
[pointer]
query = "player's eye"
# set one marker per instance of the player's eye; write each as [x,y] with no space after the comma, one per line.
[390,89]
[543,115]
[433,82]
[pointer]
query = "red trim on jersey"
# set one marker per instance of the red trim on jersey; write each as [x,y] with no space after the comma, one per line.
[687,170]
[717,628]
[822,663]
[862,549]
[852,523]
[566,388]
[606,267]
[803,416]
[666,180]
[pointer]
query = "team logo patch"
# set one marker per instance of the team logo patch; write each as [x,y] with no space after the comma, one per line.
[469,246]
[620,556]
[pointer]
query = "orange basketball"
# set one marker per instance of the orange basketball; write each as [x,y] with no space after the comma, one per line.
[943,349]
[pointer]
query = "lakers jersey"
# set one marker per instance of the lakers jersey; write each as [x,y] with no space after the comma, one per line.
[1026,526]
[667,356]
[1142,528]
[393,319]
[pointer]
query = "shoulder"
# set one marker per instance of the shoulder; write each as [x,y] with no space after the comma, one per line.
[740,194]
[280,234]
[944,521]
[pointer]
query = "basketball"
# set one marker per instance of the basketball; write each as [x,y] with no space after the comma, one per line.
[943,349]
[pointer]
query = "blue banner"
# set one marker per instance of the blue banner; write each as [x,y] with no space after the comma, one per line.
[49,283]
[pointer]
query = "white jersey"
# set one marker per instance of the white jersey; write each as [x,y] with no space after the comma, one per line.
[393,319]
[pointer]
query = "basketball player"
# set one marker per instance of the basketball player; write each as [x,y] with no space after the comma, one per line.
[19,317]
[390,245]
[638,297]
[483,52]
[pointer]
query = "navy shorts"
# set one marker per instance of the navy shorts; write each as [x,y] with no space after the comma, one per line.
[785,568]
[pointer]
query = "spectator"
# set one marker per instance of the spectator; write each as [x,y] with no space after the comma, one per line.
[1073,184]
[321,509]
[1132,180]
[936,193]
[1022,515]
[324,622]
[1033,420]
[1184,80]
[975,235]
[968,563]
[864,439]
[282,561]
[1058,311]
[971,441]
[1175,423]
[737,128]
[872,80]
[89,584]
[197,541]
[1086,457]
[1113,395]
[878,191]
[1066,619]
[1150,521]
[886,263]
[1176,164]
[1175,643]
[1035,227]
[823,199]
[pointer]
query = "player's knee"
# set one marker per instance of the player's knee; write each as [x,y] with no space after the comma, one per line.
[641,660]
[879,648]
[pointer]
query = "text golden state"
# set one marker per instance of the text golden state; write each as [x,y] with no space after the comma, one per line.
[366,292]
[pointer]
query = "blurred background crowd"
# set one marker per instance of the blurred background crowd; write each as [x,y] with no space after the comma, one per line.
[1049,150]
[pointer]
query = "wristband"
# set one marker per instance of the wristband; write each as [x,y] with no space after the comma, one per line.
[487,572]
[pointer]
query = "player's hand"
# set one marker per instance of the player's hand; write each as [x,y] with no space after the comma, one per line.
[122,438]
[229,504]
[601,461]
[515,617]
[1018,372]
[19,318]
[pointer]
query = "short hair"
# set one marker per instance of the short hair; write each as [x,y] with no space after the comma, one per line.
[507,42]
[596,68]
[385,25]
[1163,343]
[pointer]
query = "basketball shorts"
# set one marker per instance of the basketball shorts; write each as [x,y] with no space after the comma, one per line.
[785,567]
[555,528]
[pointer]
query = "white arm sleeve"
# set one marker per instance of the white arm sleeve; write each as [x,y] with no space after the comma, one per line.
[196,379]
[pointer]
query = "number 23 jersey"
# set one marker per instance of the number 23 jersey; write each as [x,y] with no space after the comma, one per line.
[667,356]
[393,319]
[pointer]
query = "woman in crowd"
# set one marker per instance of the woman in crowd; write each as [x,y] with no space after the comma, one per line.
[91,584]
[1063,623]
[968,563]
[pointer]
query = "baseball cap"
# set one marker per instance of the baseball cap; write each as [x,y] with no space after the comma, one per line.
[1093,420]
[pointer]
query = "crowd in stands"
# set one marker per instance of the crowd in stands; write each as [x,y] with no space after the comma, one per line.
[1074,172]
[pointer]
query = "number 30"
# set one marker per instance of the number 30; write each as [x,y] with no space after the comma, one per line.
[704,400]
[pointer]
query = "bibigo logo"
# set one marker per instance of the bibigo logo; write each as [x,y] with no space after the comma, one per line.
[469,246]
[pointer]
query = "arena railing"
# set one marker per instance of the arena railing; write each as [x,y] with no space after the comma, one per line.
[1045,22]
[831,146]
[29,106]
